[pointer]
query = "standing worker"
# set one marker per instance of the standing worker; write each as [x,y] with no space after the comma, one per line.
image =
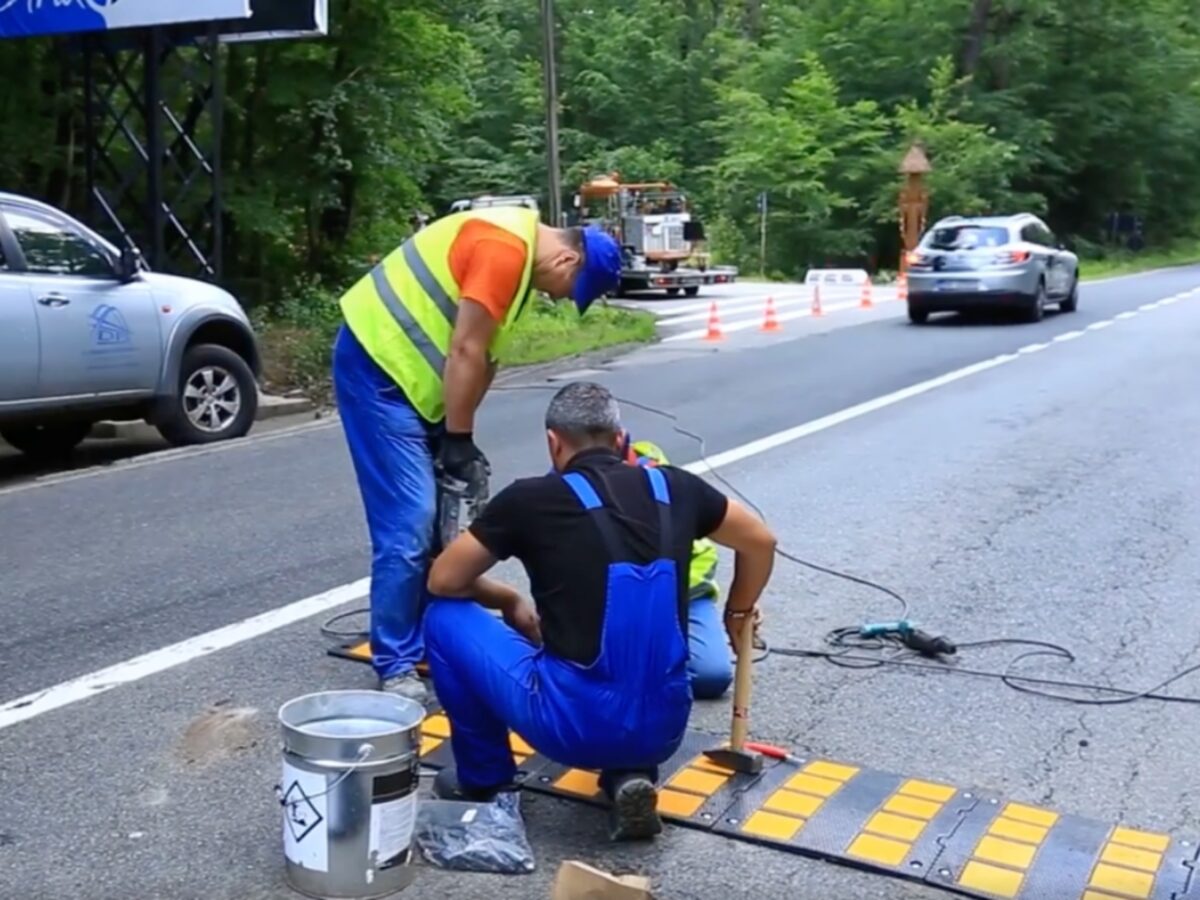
[411,364]
[593,674]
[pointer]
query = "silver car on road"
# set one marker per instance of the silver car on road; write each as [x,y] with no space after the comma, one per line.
[995,262]
[87,334]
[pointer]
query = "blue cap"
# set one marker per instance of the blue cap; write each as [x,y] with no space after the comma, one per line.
[601,271]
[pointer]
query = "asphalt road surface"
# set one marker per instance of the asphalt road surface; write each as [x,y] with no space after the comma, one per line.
[1033,481]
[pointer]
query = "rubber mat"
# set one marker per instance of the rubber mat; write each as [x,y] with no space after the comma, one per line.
[963,840]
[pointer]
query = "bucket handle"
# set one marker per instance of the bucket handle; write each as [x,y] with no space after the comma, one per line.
[363,752]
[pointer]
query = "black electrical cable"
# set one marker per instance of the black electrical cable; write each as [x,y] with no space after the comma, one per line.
[850,647]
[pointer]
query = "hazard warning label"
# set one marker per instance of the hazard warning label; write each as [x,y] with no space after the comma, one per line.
[305,832]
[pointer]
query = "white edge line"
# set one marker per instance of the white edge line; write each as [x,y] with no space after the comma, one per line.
[65,693]
[131,670]
[779,439]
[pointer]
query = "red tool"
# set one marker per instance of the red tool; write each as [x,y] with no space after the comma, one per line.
[771,751]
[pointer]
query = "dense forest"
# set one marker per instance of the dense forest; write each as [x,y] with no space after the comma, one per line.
[1074,109]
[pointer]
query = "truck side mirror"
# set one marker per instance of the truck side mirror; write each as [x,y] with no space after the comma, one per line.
[693,231]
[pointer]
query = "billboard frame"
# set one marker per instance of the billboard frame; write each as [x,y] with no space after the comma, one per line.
[148,154]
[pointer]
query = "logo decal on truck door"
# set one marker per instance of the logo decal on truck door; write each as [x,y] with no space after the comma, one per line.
[109,327]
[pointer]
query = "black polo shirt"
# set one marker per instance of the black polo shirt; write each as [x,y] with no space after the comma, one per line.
[541,522]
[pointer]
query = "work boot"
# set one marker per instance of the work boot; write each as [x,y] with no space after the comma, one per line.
[446,786]
[408,685]
[634,813]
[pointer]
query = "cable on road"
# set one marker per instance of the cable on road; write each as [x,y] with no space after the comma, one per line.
[847,647]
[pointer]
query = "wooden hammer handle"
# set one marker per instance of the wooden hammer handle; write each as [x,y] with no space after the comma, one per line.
[741,684]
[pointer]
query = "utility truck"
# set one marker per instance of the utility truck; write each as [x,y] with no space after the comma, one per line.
[661,244]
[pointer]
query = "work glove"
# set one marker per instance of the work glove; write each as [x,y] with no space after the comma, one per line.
[460,458]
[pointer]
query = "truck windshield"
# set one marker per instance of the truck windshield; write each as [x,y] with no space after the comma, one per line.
[966,237]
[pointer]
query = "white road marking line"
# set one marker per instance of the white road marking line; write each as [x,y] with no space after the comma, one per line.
[758,305]
[1128,314]
[756,321]
[1146,307]
[131,670]
[730,307]
[702,304]
[1068,336]
[65,693]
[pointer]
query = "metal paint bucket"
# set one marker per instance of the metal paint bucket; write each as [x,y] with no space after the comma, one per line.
[349,792]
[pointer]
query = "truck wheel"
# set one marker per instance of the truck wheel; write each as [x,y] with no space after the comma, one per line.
[50,441]
[691,291]
[216,398]
[672,292]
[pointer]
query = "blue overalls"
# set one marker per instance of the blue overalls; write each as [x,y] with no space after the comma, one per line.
[627,711]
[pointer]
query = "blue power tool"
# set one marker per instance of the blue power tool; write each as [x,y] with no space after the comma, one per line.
[913,638]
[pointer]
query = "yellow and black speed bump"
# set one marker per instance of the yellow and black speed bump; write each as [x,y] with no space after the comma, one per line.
[964,841]
[832,810]
[436,753]
[1007,850]
[692,789]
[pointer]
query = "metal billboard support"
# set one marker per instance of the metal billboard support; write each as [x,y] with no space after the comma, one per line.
[153,137]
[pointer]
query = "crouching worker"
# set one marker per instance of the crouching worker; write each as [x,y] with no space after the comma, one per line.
[593,674]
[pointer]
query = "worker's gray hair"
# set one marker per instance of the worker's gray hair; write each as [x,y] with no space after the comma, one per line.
[584,412]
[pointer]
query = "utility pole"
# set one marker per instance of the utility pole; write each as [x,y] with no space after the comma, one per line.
[550,74]
[762,234]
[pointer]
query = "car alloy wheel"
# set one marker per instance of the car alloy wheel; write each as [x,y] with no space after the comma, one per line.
[212,399]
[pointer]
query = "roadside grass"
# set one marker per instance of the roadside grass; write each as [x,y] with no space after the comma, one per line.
[1179,253]
[1095,261]
[297,338]
[554,330]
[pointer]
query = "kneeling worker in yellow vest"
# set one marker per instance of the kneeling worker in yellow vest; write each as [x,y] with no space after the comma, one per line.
[410,366]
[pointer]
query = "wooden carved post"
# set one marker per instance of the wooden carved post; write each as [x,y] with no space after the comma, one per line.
[914,200]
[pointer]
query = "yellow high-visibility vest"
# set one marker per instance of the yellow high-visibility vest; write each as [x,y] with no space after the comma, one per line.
[403,310]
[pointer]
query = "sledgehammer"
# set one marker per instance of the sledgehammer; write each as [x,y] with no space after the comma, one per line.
[736,756]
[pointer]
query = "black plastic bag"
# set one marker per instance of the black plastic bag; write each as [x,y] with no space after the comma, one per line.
[475,837]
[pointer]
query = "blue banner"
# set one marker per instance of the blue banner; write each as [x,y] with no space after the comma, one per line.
[28,18]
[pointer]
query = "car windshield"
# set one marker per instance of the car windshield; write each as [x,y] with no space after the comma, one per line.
[966,237]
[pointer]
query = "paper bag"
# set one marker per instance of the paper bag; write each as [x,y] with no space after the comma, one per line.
[579,881]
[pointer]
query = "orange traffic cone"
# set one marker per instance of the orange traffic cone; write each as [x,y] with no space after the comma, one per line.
[816,303]
[865,300]
[902,288]
[770,323]
[714,325]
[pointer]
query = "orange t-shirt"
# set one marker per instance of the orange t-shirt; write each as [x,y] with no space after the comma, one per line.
[487,263]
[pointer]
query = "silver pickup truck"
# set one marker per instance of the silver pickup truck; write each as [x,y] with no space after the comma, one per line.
[86,333]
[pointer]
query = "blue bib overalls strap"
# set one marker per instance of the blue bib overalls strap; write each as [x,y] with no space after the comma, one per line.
[642,644]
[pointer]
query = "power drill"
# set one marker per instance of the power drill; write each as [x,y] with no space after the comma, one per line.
[913,638]
[459,501]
